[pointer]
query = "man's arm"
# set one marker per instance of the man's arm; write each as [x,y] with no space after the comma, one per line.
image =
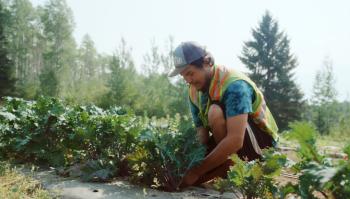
[230,144]
[238,99]
[233,141]
[202,133]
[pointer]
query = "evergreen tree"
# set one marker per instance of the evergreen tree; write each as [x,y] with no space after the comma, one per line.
[169,98]
[116,82]
[123,79]
[24,43]
[324,98]
[25,46]
[88,59]
[167,57]
[89,83]
[59,56]
[324,86]
[152,61]
[6,68]
[268,58]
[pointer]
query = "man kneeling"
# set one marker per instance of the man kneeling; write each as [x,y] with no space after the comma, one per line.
[227,104]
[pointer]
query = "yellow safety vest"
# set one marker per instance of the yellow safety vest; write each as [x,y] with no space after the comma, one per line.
[222,78]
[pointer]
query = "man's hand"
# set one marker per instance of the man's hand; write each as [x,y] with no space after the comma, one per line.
[190,178]
[231,143]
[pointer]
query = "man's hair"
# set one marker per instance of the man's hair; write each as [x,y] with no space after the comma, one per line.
[208,58]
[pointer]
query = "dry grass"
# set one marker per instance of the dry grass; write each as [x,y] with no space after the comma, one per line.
[14,185]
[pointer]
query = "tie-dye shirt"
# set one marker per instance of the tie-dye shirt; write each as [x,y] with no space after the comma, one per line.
[237,99]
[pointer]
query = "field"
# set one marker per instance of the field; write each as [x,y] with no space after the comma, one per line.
[96,145]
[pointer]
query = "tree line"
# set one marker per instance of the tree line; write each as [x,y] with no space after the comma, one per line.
[39,56]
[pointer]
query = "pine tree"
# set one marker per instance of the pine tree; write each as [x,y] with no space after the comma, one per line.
[6,68]
[25,45]
[324,86]
[271,63]
[59,57]
[116,82]
[88,59]
[324,95]
[123,78]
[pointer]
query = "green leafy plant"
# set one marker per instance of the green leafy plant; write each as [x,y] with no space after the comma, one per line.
[98,171]
[47,131]
[319,175]
[255,179]
[305,135]
[98,144]
[222,185]
[166,153]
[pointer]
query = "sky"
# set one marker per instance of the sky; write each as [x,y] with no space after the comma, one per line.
[317,29]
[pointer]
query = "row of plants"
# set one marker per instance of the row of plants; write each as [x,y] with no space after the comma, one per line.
[99,145]
[96,144]
[318,176]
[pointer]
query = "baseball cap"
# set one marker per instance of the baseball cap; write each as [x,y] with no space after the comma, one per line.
[185,54]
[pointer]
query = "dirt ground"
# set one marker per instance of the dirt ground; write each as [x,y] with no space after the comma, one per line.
[72,188]
[69,188]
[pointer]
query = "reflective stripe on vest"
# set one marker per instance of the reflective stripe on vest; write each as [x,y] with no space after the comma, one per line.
[222,78]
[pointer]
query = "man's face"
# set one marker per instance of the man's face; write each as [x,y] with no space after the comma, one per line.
[197,77]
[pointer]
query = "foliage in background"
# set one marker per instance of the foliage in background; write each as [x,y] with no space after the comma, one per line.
[271,63]
[324,109]
[60,48]
[338,125]
[45,59]
[7,82]
[305,134]
[319,174]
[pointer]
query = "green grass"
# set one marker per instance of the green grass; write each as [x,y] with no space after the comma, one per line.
[338,138]
[15,185]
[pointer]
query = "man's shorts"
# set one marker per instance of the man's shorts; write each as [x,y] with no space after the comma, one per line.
[254,141]
[251,149]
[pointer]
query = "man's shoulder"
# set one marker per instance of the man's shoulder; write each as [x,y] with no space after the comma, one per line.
[239,86]
[239,89]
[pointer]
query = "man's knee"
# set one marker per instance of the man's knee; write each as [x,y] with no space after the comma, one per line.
[215,115]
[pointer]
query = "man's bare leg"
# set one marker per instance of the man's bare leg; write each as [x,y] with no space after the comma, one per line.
[217,122]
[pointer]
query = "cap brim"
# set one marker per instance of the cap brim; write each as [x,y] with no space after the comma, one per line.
[176,71]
